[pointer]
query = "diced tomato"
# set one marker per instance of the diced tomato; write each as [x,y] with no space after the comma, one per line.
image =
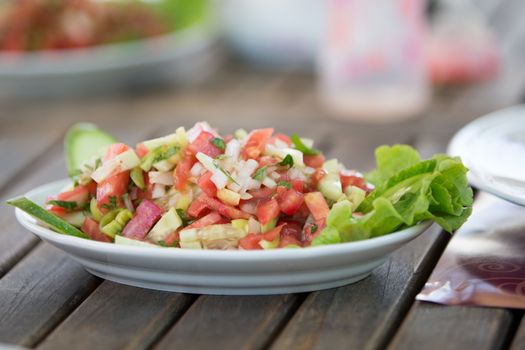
[298,185]
[314,180]
[250,241]
[301,214]
[141,150]
[291,228]
[267,210]
[182,171]
[58,211]
[90,227]
[315,161]
[351,178]
[206,185]
[288,240]
[79,194]
[203,144]
[284,139]
[256,142]
[210,219]
[273,234]
[318,176]
[263,192]
[223,209]
[267,160]
[172,238]
[317,205]
[146,215]
[290,201]
[114,186]
[312,230]
[198,207]
[92,188]
[114,150]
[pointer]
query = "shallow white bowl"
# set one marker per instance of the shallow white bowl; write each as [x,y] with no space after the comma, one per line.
[182,57]
[222,272]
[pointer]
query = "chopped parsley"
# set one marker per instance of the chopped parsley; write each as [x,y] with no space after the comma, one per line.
[284,184]
[260,173]
[299,145]
[112,203]
[165,245]
[287,161]
[68,205]
[158,154]
[184,217]
[219,143]
[314,228]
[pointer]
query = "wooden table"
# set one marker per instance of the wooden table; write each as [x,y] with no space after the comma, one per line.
[48,301]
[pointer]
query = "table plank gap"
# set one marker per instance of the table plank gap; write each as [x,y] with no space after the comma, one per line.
[39,292]
[231,322]
[518,340]
[138,316]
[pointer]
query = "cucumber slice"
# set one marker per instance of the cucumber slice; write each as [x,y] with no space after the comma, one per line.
[82,142]
[46,217]
[132,242]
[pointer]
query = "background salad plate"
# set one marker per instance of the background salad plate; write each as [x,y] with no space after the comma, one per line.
[222,272]
[493,148]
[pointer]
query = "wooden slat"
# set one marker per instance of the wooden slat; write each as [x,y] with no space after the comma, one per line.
[39,292]
[18,146]
[116,317]
[364,314]
[222,322]
[440,327]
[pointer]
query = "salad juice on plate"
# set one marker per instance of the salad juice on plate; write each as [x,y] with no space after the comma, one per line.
[198,189]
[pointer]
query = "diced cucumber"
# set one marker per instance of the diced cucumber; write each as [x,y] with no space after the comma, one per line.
[270,244]
[122,162]
[116,226]
[355,195]
[138,178]
[330,186]
[46,217]
[132,242]
[332,166]
[270,225]
[82,142]
[167,224]
[95,211]
[240,224]
[75,218]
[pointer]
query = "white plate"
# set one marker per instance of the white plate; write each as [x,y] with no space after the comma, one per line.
[222,272]
[493,148]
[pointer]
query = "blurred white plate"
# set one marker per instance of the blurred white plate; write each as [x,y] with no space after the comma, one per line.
[493,148]
[222,272]
[179,57]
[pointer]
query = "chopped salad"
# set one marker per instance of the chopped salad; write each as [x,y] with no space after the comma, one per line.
[199,189]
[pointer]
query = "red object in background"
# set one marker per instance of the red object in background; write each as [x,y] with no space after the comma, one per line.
[461,61]
[461,47]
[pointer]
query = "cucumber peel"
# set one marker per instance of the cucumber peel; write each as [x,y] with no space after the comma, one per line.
[82,142]
[46,217]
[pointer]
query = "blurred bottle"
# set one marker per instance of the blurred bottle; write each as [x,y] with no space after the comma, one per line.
[462,48]
[372,64]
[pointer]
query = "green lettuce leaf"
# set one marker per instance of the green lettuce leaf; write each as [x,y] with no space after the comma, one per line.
[408,191]
[390,160]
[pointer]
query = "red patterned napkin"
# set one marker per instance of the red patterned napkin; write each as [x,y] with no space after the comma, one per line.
[484,263]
